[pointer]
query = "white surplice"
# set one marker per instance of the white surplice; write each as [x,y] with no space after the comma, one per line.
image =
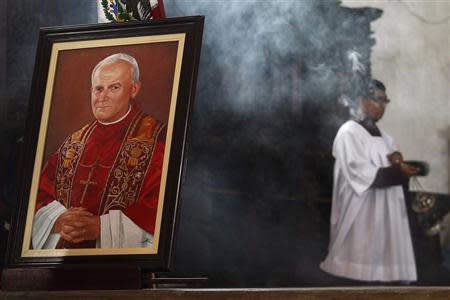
[116,230]
[370,238]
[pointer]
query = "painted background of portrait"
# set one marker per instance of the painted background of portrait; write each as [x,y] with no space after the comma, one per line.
[71,99]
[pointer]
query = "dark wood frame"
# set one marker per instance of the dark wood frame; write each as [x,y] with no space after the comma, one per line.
[192,28]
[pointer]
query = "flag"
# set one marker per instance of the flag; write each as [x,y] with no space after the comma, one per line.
[125,10]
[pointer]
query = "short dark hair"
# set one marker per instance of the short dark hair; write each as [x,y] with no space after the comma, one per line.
[374,85]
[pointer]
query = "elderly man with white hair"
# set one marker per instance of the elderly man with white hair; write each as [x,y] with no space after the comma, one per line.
[100,189]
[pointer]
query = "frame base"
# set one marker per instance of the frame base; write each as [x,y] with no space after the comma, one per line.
[74,278]
[158,281]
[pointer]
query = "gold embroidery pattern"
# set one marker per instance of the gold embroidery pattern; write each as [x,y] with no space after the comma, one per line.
[132,162]
[68,157]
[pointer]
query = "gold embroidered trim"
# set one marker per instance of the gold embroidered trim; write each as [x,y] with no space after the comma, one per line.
[130,167]
[68,157]
[127,175]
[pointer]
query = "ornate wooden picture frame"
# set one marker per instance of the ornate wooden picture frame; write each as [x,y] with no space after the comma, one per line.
[140,181]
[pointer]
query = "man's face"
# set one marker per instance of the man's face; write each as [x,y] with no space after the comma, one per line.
[112,90]
[375,106]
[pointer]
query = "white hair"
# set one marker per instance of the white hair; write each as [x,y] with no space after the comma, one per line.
[115,58]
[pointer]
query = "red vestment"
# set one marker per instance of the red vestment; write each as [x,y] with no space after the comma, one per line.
[108,167]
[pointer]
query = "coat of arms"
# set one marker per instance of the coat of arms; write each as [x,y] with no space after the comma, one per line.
[125,10]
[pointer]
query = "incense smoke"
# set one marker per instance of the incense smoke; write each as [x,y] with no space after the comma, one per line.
[258,162]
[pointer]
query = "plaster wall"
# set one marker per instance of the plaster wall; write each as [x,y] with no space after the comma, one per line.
[411,57]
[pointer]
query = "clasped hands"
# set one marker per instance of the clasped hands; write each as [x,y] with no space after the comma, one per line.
[77,224]
[407,169]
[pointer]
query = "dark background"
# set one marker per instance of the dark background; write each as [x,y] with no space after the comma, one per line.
[257,187]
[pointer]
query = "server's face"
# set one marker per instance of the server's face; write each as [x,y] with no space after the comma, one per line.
[112,91]
[375,105]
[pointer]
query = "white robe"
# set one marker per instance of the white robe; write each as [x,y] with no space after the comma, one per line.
[116,230]
[370,238]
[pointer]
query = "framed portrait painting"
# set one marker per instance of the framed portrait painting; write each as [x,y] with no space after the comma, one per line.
[105,138]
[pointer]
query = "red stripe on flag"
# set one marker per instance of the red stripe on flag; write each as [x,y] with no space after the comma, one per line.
[159,12]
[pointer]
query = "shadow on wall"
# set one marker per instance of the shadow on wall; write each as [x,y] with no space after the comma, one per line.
[445,135]
[257,190]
